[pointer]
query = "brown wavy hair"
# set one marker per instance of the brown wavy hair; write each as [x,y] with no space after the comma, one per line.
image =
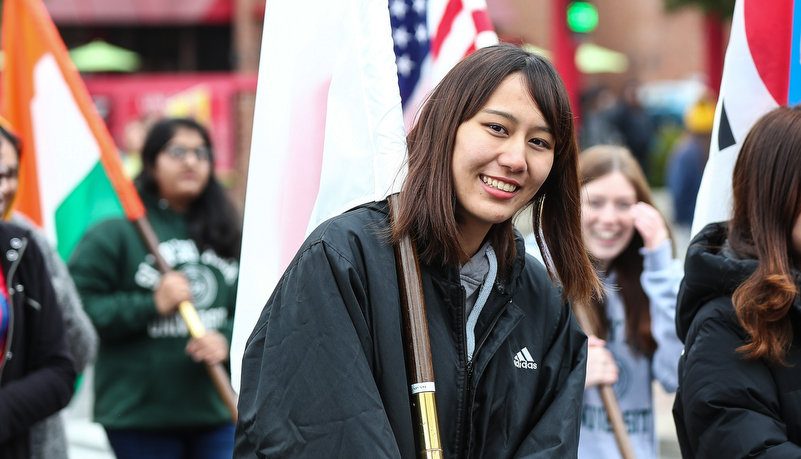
[767,201]
[594,163]
[427,202]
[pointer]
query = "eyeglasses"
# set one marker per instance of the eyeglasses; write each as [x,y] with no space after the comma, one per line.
[8,173]
[179,152]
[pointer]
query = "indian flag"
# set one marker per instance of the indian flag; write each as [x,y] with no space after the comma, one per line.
[71,175]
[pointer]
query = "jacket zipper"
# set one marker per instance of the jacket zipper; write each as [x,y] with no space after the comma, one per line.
[468,401]
[466,417]
[10,281]
[467,438]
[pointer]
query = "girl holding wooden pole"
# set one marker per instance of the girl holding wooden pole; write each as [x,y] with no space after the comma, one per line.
[153,395]
[323,373]
[636,340]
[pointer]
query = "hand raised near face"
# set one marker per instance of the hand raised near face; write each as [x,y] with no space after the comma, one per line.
[650,224]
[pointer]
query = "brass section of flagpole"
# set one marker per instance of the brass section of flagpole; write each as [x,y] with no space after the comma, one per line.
[219,376]
[608,396]
[430,443]
[418,352]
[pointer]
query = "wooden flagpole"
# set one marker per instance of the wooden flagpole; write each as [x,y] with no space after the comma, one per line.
[216,371]
[418,352]
[608,396]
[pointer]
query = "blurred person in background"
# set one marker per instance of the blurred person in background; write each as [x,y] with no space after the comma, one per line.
[630,243]
[634,123]
[37,372]
[133,137]
[153,395]
[739,311]
[48,439]
[687,163]
[597,127]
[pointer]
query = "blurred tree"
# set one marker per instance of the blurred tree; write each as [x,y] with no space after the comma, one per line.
[721,8]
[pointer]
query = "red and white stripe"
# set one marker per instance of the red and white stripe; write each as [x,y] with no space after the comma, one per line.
[457,28]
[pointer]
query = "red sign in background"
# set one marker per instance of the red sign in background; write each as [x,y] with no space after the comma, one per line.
[141,12]
[208,97]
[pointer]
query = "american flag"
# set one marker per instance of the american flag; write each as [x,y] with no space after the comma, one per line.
[430,37]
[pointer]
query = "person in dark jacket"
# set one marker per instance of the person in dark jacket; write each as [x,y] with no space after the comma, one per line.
[634,123]
[324,374]
[48,437]
[739,310]
[37,372]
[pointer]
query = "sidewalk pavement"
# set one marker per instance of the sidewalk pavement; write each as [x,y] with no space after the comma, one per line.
[665,427]
[87,440]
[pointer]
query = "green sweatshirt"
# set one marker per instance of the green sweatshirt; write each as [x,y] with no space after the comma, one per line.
[143,377]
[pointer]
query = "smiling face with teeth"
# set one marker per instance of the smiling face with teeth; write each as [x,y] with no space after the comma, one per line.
[501,157]
[606,216]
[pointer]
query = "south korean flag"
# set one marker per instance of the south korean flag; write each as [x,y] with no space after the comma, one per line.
[761,72]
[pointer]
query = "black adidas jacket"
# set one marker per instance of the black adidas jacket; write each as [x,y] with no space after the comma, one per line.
[37,373]
[727,406]
[324,376]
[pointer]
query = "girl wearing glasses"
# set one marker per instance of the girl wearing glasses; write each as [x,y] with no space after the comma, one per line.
[152,392]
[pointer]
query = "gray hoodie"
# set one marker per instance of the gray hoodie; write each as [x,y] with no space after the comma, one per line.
[660,279]
[48,440]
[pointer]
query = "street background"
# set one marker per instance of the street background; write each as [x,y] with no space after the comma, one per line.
[201,58]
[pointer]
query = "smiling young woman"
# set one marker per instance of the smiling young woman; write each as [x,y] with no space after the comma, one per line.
[501,157]
[630,244]
[323,372]
[428,203]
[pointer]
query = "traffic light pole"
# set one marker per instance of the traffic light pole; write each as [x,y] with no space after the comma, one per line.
[564,53]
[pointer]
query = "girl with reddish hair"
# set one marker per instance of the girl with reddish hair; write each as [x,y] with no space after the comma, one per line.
[739,311]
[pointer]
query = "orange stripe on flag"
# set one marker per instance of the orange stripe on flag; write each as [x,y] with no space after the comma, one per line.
[28,35]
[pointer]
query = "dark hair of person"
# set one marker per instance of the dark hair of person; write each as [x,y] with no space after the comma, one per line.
[594,163]
[213,221]
[427,202]
[766,189]
[16,142]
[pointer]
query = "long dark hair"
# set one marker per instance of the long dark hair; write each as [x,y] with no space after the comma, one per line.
[594,163]
[213,221]
[766,189]
[428,203]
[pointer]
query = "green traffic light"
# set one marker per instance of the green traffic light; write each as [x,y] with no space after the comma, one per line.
[582,17]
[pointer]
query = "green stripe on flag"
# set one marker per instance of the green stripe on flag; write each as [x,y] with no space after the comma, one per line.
[92,201]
